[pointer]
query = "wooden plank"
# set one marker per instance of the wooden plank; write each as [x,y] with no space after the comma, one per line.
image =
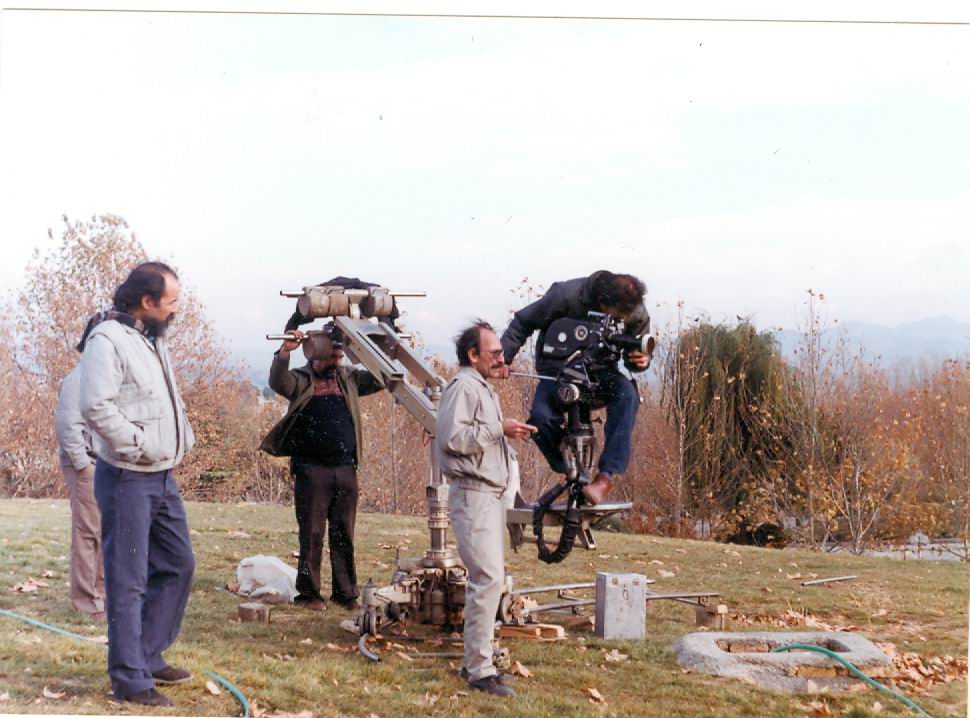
[519,632]
[551,630]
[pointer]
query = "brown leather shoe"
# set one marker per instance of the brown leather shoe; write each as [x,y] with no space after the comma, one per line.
[597,489]
[171,674]
[314,604]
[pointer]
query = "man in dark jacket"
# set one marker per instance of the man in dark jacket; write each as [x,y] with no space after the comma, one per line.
[620,296]
[321,432]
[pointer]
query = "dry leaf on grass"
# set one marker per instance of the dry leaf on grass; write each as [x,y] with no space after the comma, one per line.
[48,574]
[519,670]
[595,696]
[429,699]
[877,707]
[665,574]
[5,696]
[404,656]
[615,656]
[232,587]
[301,714]
[341,649]
[918,672]
[28,586]
[656,562]
[238,534]
[213,688]
[53,695]
[307,641]
[295,554]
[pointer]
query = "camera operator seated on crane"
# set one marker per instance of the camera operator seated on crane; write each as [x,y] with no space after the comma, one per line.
[321,432]
[621,297]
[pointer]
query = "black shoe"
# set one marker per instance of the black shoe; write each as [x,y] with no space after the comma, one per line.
[171,674]
[149,697]
[505,678]
[492,685]
[349,605]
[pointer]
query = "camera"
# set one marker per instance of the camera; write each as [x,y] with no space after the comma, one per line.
[581,347]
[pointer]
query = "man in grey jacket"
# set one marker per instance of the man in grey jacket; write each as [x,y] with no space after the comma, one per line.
[129,398]
[471,443]
[77,459]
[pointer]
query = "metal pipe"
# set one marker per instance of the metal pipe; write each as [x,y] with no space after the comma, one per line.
[559,587]
[575,603]
[408,294]
[292,294]
[691,599]
[425,654]
[828,580]
[284,338]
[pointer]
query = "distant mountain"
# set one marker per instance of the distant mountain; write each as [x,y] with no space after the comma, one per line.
[927,339]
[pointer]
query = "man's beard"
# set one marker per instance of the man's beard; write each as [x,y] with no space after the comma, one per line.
[327,372]
[157,327]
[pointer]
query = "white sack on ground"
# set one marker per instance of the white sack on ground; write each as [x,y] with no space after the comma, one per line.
[266,578]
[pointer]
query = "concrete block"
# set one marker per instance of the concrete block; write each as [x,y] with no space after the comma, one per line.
[621,606]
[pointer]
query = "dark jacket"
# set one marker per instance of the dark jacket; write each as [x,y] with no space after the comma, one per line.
[297,386]
[571,298]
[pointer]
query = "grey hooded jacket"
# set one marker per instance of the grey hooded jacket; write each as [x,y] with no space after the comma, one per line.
[130,399]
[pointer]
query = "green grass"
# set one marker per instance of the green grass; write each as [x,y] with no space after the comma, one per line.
[925,610]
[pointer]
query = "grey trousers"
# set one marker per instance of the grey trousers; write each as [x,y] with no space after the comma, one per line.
[87,567]
[478,522]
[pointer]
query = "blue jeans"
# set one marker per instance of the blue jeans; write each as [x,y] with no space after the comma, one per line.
[622,402]
[148,566]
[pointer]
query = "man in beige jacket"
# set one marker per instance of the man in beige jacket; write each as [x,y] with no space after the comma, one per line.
[471,442]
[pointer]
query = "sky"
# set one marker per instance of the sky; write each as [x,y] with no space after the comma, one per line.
[730,165]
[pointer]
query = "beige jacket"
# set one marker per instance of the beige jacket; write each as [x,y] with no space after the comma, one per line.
[469,439]
[129,398]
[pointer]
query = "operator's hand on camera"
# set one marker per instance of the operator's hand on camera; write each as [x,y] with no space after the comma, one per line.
[638,360]
[290,345]
[516,429]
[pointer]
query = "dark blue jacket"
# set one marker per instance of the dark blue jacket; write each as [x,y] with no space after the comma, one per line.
[571,298]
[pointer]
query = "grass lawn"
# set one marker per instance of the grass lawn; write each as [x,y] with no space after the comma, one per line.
[300,662]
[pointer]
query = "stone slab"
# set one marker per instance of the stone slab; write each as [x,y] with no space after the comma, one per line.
[747,657]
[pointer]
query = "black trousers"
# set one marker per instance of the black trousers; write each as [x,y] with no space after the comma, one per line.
[322,494]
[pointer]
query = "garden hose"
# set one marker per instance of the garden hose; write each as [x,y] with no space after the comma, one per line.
[855,671]
[236,693]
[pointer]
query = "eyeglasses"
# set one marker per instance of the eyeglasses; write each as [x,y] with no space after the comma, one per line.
[494,354]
